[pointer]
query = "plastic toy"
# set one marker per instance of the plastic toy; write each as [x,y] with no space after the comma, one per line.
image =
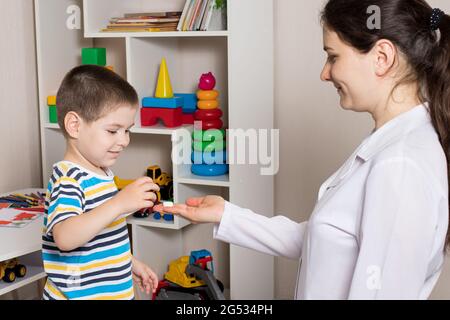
[164,87]
[166,216]
[189,101]
[51,100]
[170,117]
[95,56]
[11,269]
[52,111]
[210,170]
[210,124]
[219,157]
[207,81]
[170,103]
[208,146]
[207,104]
[207,94]
[162,179]
[190,278]
[208,135]
[208,114]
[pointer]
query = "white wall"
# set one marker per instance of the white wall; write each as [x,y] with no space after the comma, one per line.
[20,164]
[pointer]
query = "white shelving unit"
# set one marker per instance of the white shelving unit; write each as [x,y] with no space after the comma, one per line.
[24,243]
[241,59]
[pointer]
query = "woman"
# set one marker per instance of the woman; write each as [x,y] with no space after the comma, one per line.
[379,229]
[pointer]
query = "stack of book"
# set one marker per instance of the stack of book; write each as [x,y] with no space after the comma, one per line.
[201,15]
[144,22]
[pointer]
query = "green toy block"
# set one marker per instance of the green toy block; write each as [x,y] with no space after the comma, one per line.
[53,115]
[95,56]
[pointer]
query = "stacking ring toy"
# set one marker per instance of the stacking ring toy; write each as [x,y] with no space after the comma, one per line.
[208,114]
[208,124]
[207,94]
[208,135]
[208,146]
[209,170]
[215,157]
[207,104]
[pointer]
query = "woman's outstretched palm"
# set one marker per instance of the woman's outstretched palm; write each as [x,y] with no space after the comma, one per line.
[197,210]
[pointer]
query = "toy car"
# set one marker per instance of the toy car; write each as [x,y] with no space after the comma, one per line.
[10,269]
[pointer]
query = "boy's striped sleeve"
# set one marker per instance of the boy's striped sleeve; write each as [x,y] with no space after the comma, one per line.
[66,200]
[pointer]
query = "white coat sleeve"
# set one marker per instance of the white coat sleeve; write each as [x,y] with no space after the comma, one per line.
[277,236]
[398,227]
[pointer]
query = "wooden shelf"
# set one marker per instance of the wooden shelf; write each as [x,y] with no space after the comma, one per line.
[170,34]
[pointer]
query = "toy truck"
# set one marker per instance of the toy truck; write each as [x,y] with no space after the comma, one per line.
[11,269]
[189,277]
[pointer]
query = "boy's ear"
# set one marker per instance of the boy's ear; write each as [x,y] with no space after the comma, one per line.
[72,123]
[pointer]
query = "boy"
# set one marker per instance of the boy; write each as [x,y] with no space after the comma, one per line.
[86,249]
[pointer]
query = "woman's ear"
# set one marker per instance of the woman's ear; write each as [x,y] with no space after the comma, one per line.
[385,53]
[72,123]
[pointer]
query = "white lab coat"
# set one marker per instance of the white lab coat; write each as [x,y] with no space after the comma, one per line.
[379,225]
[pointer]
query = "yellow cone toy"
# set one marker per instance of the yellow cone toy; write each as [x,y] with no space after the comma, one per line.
[164,88]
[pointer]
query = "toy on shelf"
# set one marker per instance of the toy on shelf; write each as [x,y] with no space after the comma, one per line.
[147,212]
[209,135]
[96,56]
[12,269]
[172,109]
[162,179]
[190,278]
[52,112]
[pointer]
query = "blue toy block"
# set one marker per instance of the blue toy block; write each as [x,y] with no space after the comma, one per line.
[169,103]
[190,101]
[209,170]
[214,157]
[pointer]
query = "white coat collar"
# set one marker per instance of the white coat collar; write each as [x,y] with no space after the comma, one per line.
[394,130]
[380,139]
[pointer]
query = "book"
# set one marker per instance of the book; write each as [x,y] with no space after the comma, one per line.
[183,15]
[201,15]
[206,13]
[133,20]
[189,15]
[194,16]
[153,14]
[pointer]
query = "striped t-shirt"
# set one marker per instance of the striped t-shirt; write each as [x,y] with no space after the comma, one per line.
[101,268]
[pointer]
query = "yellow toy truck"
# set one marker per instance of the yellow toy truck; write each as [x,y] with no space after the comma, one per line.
[10,269]
[162,179]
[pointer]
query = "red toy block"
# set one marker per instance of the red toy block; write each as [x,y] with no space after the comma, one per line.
[208,124]
[188,118]
[170,117]
[208,114]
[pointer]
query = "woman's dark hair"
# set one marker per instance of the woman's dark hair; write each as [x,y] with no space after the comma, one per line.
[407,24]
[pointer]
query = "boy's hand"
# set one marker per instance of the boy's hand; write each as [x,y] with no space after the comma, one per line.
[144,276]
[137,195]
[197,210]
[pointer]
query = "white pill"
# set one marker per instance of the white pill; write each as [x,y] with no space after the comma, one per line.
[167,203]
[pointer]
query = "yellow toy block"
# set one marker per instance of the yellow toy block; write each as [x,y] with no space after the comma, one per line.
[51,100]
[164,88]
[110,68]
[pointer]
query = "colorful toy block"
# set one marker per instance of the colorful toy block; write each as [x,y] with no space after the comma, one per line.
[164,87]
[188,118]
[170,117]
[207,94]
[209,170]
[189,101]
[170,103]
[53,114]
[95,56]
[51,100]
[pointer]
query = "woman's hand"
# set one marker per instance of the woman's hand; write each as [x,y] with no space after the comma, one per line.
[144,276]
[197,210]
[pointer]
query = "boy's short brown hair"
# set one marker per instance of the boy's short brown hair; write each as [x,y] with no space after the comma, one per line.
[90,91]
